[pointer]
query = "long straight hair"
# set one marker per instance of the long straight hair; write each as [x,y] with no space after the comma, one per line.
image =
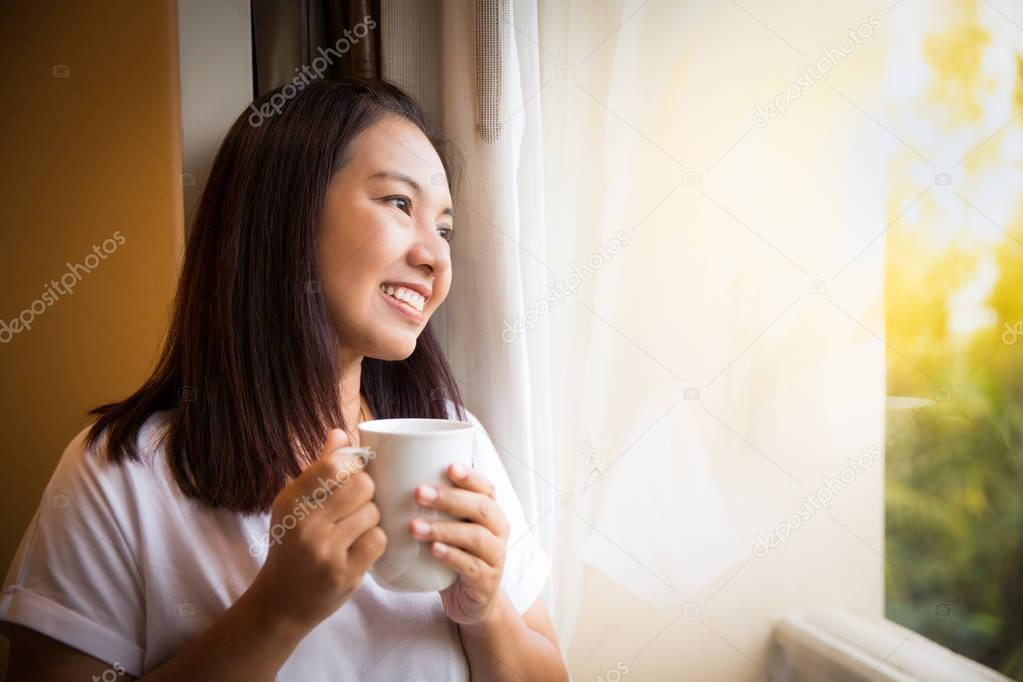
[250,368]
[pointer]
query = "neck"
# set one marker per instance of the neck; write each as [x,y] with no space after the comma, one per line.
[350,387]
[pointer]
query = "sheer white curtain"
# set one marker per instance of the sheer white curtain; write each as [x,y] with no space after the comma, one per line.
[730,359]
[698,302]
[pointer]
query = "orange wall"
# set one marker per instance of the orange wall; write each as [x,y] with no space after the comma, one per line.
[91,152]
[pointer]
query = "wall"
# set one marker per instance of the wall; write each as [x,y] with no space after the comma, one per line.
[90,138]
[215,44]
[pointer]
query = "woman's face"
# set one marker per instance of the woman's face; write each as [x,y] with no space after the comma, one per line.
[386,222]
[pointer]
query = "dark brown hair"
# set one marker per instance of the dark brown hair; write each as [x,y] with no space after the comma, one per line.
[250,367]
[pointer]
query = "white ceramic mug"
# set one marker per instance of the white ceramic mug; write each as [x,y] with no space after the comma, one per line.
[408,453]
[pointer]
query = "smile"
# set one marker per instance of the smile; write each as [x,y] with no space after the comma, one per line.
[402,307]
[404,295]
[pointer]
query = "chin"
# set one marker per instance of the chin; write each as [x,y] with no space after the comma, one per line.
[394,350]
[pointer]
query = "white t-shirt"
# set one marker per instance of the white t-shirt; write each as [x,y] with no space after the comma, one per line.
[118,563]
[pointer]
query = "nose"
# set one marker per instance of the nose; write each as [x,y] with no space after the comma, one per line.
[430,253]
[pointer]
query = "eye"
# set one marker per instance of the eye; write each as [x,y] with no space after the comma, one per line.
[408,203]
[447,232]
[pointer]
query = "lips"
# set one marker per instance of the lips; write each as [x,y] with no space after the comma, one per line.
[413,298]
[403,308]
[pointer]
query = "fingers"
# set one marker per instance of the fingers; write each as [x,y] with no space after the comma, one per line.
[471,537]
[471,568]
[466,504]
[337,438]
[336,484]
[337,455]
[346,531]
[338,492]
[368,548]
[470,479]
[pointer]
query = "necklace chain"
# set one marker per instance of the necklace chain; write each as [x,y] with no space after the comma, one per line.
[362,418]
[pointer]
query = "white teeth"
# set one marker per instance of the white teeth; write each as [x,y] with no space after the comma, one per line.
[406,295]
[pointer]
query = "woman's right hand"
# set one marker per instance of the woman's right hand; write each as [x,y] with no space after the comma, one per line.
[324,536]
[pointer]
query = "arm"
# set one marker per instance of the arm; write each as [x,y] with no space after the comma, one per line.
[309,573]
[246,642]
[512,647]
[33,654]
[498,643]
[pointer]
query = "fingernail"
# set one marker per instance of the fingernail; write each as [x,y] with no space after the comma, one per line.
[439,548]
[420,527]
[457,471]
[427,493]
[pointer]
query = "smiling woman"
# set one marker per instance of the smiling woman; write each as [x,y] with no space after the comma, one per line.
[293,221]
[320,250]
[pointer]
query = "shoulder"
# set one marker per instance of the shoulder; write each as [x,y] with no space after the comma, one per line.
[99,511]
[80,571]
[148,441]
[85,471]
[453,414]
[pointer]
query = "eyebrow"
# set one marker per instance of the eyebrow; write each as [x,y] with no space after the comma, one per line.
[416,187]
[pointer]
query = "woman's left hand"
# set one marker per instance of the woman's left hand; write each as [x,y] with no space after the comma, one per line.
[473,546]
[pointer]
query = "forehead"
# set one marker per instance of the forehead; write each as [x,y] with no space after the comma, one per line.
[394,144]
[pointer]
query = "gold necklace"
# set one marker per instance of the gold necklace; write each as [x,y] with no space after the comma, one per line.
[362,418]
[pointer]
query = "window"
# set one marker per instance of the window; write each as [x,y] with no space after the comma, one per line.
[954,318]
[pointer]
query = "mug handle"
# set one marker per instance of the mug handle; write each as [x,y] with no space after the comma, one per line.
[363,453]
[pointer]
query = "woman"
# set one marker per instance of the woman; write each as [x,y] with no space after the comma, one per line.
[320,250]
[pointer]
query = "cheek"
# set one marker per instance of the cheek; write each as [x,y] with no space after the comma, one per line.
[342,284]
[441,289]
[352,254]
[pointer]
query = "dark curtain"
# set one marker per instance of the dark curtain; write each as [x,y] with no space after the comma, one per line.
[291,34]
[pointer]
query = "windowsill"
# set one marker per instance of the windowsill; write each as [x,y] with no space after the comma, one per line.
[842,646]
